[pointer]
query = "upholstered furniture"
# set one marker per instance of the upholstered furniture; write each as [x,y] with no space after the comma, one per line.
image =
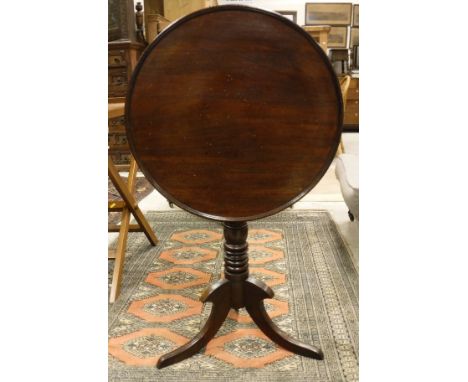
[347,173]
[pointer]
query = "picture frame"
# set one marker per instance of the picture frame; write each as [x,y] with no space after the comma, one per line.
[338,37]
[291,15]
[354,39]
[355,15]
[328,13]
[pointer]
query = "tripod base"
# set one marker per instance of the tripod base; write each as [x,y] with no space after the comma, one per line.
[253,293]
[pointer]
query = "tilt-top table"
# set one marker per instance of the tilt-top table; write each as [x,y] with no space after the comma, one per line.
[233,114]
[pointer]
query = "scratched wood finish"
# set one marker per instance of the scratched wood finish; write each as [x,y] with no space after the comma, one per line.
[234,113]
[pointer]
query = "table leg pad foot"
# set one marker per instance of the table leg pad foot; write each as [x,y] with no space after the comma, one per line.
[219,295]
[257,292]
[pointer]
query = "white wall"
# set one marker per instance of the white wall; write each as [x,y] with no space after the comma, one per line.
[283,5]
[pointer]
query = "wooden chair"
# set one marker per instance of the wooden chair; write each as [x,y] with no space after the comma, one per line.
[127,206]
[344,85]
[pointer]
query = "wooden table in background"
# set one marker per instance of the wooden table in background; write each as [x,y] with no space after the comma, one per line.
[319,33]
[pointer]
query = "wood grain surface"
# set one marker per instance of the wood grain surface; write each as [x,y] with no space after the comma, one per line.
[234,113]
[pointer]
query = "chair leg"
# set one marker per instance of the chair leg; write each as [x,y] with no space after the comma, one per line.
[131,206]
[120,256]
[123,232]
[127,195]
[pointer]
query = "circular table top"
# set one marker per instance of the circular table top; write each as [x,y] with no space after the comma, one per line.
[234,113]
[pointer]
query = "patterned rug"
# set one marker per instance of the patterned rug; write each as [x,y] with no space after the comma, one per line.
[299,254]
[142,189]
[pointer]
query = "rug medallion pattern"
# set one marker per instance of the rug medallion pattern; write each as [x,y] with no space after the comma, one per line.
[298,254]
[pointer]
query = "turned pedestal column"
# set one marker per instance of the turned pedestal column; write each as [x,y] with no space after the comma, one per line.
[237,290]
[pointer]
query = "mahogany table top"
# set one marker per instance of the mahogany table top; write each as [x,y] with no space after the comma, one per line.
[234,113]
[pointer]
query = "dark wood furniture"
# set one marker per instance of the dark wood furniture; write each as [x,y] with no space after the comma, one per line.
[126,42]
[121,20]
[123,56]
[249,121]
[340,60]
[125,46]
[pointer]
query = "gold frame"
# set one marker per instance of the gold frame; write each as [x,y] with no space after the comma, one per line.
[334,31]
[354,35]
[355,13]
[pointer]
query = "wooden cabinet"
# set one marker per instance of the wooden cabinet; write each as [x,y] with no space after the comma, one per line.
[123,53]
[117,141]
[123,56]
[122,59]
[121,20]
[351,115]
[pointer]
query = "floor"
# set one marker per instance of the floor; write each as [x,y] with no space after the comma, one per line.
[326,196]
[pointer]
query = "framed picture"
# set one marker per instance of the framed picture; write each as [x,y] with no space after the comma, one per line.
[328,13]
[354,37]
[338,37]
[355,15]
[291,15]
